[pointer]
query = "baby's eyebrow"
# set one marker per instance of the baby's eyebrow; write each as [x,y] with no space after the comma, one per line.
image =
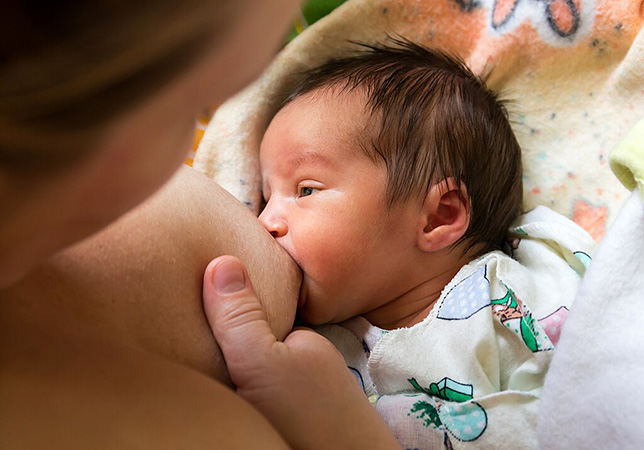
[311,157]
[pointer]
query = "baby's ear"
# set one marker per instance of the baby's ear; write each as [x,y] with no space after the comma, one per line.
[445,216]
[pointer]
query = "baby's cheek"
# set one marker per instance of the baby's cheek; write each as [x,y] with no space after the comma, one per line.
[321,261]
[335,264]
[330,254]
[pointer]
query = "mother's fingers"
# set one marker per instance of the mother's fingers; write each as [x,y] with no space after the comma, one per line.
[236,317]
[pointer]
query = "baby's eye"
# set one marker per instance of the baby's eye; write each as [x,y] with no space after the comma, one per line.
[305,191]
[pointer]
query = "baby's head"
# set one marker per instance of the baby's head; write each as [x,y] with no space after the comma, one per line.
[382,168]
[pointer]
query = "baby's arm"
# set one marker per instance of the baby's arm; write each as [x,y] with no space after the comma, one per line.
[301,385]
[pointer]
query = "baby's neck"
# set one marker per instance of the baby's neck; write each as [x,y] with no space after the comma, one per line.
[417,301]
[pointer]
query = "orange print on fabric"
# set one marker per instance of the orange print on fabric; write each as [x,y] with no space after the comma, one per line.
[590,218]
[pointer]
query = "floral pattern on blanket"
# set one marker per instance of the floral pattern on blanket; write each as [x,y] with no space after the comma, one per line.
[571,68]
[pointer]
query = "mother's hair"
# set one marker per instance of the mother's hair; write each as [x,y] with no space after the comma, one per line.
[68,67]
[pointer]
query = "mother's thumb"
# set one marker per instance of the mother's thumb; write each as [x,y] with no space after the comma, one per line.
[236,316]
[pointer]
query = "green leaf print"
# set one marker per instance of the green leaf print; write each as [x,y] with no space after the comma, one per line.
[428,414]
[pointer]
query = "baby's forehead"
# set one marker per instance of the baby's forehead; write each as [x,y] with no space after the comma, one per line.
[330,122]
[340,111]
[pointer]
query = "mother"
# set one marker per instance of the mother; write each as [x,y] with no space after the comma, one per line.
[97,102]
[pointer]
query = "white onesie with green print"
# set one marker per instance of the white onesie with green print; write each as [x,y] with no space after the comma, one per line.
[470,374]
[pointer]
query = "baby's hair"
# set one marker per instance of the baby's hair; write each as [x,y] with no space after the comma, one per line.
[433,119]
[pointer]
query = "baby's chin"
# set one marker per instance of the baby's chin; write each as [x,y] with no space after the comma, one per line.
[309,318]
[317,305]
[312,312]
[307,308]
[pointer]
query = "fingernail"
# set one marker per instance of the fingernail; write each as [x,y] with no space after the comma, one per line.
[229,277]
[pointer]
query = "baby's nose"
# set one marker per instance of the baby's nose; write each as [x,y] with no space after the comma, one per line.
[276,226]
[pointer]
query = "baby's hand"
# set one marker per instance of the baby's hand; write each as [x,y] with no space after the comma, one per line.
[301,385]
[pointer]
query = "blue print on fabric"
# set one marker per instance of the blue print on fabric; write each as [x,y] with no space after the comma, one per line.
[465,421]
[468,297]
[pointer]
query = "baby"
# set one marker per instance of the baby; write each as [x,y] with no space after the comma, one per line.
[392,178]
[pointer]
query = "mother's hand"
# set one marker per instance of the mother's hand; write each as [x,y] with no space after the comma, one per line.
[301,385]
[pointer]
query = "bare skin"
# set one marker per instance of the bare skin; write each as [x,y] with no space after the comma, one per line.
[302,384]
[103,345]
[112,331]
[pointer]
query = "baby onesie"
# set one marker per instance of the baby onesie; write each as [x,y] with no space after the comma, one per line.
[470,374]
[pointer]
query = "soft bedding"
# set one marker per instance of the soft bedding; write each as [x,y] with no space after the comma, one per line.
[572,68]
